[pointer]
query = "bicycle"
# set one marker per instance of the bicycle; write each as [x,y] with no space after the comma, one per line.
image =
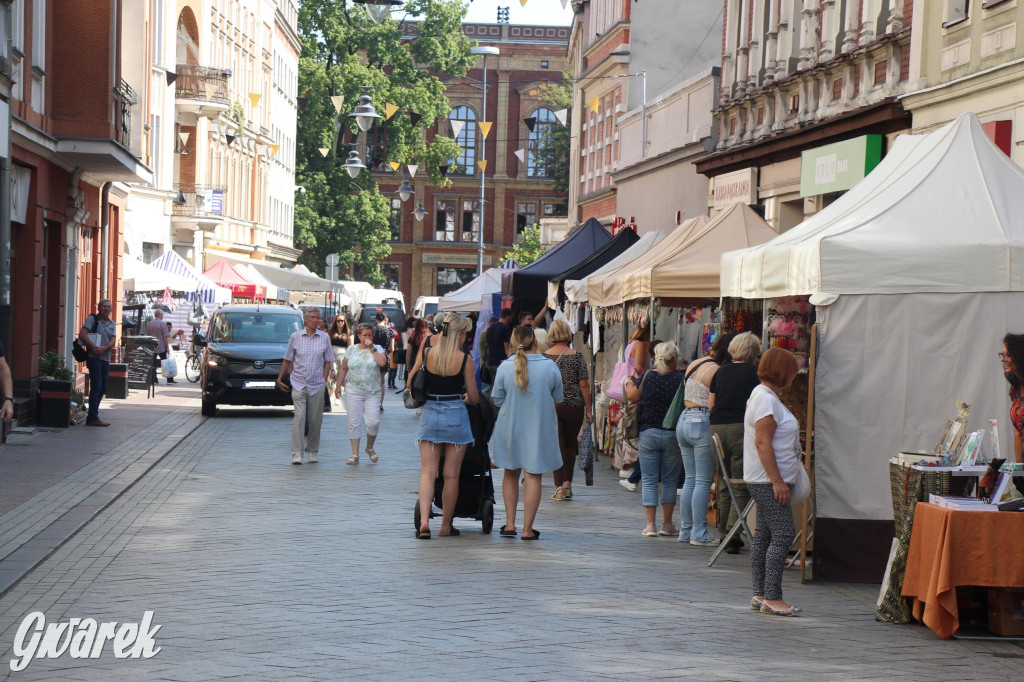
[193,359]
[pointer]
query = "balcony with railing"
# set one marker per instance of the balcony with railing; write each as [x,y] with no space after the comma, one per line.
[197,207]
[200,91]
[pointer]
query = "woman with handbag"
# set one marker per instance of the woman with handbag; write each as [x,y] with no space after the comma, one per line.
[526,388]
[575,405]
[771,465]
[449,383]
[657,446]
[360,377]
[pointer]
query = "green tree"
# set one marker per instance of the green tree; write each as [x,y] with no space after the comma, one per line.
[555,146]
[342,51]
[528,248]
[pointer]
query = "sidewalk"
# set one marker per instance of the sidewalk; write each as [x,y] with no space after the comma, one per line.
[53,481]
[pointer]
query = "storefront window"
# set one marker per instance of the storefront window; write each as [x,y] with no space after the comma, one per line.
[450,279]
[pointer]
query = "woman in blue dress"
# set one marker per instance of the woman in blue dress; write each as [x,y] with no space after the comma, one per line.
[526,388]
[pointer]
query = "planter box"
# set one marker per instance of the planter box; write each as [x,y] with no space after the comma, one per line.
[54,403]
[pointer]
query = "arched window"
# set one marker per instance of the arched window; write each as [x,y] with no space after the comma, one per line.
[537,161]
[466,162]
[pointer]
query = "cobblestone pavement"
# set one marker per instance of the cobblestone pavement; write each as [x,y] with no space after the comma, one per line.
[258,569]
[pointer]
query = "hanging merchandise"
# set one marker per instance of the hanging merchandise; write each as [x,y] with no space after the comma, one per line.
[787,325]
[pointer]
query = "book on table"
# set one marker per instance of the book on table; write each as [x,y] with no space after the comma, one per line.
[960,503]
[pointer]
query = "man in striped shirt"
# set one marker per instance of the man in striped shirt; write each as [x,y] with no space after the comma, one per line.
[309,360]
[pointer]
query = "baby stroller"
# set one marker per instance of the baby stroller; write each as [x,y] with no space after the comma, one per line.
[476,487]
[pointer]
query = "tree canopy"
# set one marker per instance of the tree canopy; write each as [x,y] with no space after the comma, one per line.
[342,51]
[528,247]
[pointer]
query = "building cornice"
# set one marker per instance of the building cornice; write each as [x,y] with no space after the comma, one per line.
[994,77]
[687,153]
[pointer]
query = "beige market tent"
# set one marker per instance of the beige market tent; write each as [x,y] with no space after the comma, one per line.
[692,270]
[606,290]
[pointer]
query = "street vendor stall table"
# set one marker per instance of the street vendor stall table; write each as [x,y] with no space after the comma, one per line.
[950,548]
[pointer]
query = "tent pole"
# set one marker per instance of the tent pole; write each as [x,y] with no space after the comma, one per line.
[650,318]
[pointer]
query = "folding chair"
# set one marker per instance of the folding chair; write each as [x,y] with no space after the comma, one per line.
[716,447]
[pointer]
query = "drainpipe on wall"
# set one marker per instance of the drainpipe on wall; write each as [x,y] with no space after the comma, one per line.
[105,238]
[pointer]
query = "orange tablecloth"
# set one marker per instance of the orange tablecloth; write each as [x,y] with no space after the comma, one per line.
[950,548]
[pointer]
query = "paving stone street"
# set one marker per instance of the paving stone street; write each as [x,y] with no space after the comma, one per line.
[257,569]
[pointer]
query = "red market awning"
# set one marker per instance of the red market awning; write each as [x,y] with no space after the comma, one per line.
[225,274]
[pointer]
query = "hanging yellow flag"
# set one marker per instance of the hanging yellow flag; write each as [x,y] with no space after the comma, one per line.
[522,3]
[323,151]
[254,99]
[338,100]
[593,102]
[211,90]
[485,127]
[274,148]
[389,111]
[482,165]
[394,165]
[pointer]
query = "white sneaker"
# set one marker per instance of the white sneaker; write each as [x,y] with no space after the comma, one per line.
[713,542]
[631,487]
[312,458]
[625,473]
[297,458]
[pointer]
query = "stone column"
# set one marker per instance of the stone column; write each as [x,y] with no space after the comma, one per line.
[809,33]
[868,17]
[501,122]
[828,15]
[851,29]
[771,42]
[895,24]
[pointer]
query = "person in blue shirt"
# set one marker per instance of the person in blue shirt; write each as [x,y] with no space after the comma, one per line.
[526,388]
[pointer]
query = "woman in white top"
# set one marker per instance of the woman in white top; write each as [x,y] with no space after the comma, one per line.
[771,464]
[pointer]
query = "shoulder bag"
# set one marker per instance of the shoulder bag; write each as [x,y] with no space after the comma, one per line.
[78,350]
[678,401]
[415,395]
[623,371]
[630,418]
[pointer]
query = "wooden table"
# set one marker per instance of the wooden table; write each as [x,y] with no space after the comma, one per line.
[950,548]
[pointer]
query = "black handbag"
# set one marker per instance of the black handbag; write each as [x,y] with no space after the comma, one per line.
[78,350]
[415,394]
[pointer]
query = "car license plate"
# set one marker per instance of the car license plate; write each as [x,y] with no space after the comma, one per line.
[258,384]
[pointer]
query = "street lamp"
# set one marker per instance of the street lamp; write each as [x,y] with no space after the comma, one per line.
[379,10]
[485,52]
[420,213]
[353,165]
[364,113]
[405,191]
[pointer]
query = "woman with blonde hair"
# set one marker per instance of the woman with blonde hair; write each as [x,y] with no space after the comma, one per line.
[526,386]
[657,446]
[444,422]
[575,405]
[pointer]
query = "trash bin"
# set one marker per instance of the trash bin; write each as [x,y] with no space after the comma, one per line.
[117,381]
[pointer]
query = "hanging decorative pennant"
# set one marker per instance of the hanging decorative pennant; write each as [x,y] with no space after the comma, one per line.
[324,151]
[564,3]
[594,103]
[457,127]
[184,139]
[275,148]
[414,118]
[521,155]
[522,3]
[211,90]
[338,100]
[302,102]
[389,111]
[485,127]
[254,99]
[171,77]
[530,122]
[394,165]
[482,165]
[562,115]
[230,138]
[412,170]
[443,170]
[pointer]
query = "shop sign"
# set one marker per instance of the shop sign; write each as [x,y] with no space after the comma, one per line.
[838,167]
[736,187]
[453,259]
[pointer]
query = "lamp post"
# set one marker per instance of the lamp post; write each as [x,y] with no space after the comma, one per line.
[420,213]
[484,51]
[379,10]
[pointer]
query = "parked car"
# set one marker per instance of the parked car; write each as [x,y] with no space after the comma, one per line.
[245,347]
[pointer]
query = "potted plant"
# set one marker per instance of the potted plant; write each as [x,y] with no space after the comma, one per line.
[55,381]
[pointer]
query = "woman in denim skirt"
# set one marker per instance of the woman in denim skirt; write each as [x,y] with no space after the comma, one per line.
[444,421]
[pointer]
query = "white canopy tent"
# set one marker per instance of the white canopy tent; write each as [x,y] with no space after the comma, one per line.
[206,290]
[576,289]
[467,298]
[139,276]
[917,273]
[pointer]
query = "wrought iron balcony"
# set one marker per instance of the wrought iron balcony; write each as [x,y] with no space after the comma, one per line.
[200,201]
[124,99]
[203,83]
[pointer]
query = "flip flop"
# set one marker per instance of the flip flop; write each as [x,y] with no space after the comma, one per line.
[454,532]
[508,533]
[422,534]
[535,536]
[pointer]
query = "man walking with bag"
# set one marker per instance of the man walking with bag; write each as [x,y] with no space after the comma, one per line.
[309,359]
[158,330]
[99,336]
